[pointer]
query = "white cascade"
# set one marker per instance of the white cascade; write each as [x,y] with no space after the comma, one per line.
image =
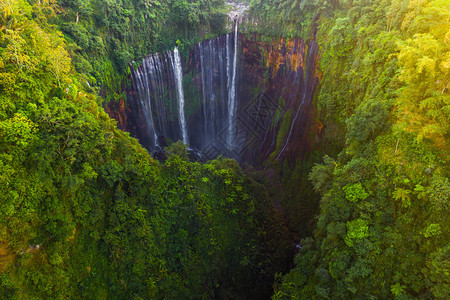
[145,98]
[178,73]
[232,92]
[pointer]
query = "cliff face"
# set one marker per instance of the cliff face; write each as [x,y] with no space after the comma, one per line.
[119,110]
[285,75]
[245,97]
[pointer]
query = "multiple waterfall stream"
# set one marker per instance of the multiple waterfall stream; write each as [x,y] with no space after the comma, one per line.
[159,84]
[232,96]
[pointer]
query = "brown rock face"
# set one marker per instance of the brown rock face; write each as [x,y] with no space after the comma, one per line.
[119,111]
[287,76]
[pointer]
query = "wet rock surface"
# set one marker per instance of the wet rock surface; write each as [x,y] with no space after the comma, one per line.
[274,82]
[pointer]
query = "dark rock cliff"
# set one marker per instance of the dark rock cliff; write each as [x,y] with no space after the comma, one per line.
[275,82]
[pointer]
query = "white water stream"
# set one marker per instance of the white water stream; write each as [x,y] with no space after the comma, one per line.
[178,72]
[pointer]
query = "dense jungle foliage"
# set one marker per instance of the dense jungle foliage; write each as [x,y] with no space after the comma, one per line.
[87,213]
[383,226]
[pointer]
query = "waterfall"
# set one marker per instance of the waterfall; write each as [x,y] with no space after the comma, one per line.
[232,93]
[178,73]
[212,98]
[212,74]
[228,48]
[160,78]
[203,77]
[158,85]
[143,88]
[224,116]
[159,92]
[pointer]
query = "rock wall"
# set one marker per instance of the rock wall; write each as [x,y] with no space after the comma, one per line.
[275,82]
